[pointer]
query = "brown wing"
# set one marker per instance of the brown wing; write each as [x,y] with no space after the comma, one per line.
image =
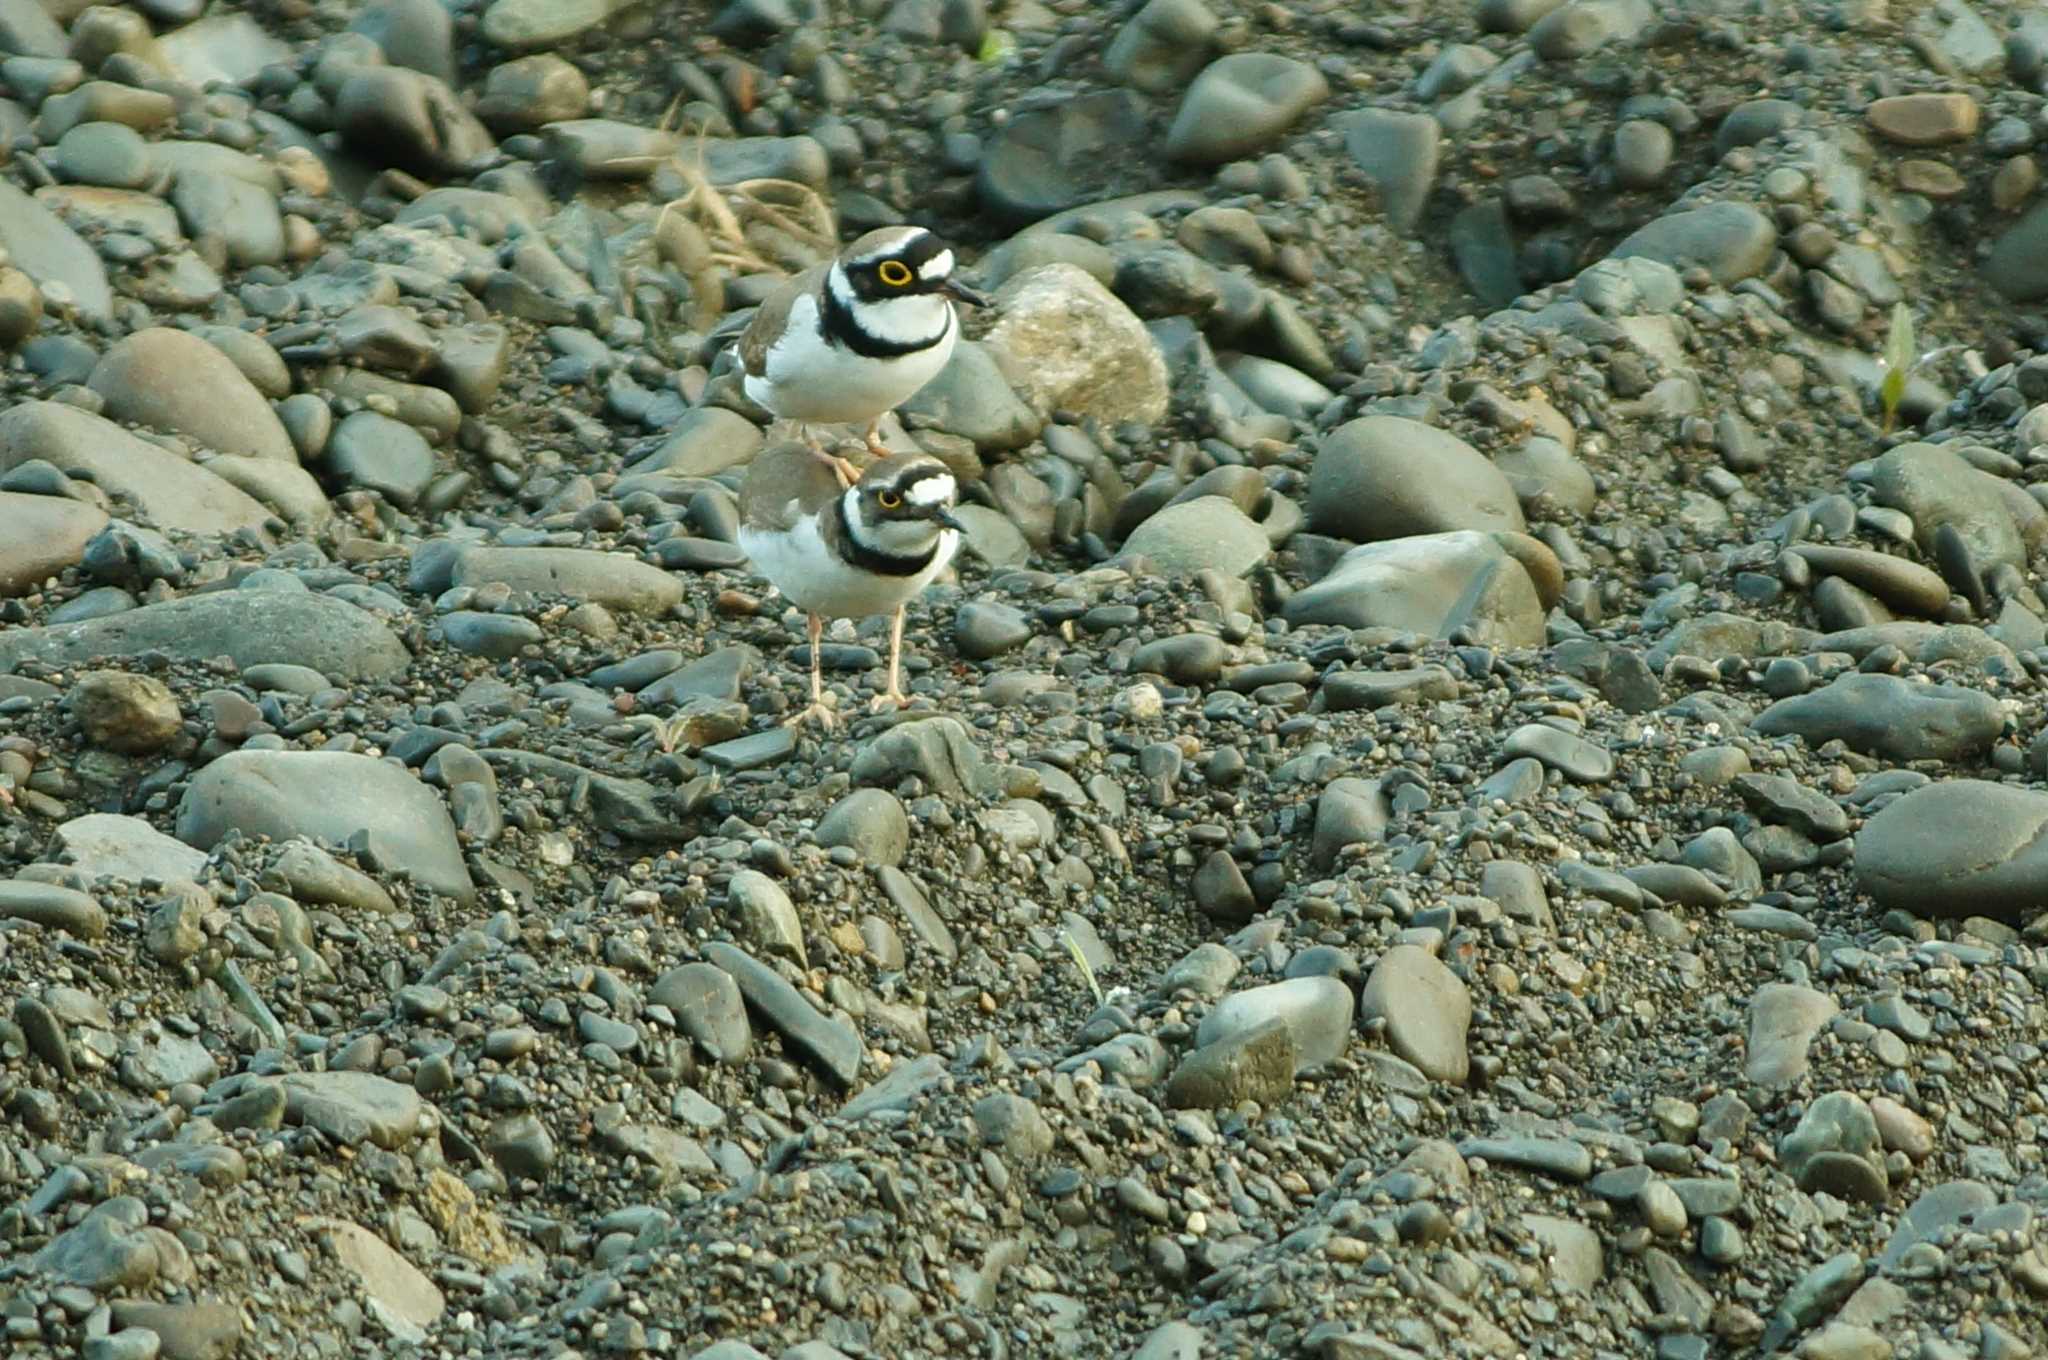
[769,316]
[785,482]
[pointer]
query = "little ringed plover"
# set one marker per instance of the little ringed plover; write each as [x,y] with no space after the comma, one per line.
[849,341]
[848,552]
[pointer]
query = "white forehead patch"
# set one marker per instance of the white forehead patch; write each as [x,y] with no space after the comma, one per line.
[937,267]
[889,249]
[938,490]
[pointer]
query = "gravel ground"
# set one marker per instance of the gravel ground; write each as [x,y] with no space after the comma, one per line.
[1477,790]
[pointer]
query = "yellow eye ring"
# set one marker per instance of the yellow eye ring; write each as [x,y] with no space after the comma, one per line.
[895,273]
[889,499]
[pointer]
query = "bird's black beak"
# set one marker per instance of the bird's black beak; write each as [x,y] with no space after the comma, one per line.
[944,515]
[970,296]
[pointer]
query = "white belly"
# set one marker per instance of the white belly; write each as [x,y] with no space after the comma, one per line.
[816,579]
[808,380]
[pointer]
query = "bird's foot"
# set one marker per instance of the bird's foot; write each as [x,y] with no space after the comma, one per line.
[822,713]
[888,699]
[847,473]
[876,446]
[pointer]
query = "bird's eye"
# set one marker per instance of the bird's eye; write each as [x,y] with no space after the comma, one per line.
[895,273]
[889,499]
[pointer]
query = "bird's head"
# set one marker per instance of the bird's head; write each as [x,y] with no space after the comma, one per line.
[903,503]
[903,262]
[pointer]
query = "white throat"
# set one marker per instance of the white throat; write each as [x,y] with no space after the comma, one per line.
[915,319]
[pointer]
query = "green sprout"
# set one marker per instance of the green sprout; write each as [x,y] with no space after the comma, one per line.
[1898,363]
[1081,962]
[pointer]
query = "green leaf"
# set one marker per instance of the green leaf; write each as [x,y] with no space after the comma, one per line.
[996,46]
[1898,362]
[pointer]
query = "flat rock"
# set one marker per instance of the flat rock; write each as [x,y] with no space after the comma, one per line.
[1384,477]
[175,381]
[168,491]
[252,627]
[333,797]
[1889,716]
[610,579]
[1937,486]
[1783,1019]
[1426,1008]
[832,1045]
[52,907]
[357,1107]
[1399,152]
[113,845]
[940,751]
[394,1288]
[1958,848]
[1256,1065]
[40,536]
[708,1007]
[1432,585]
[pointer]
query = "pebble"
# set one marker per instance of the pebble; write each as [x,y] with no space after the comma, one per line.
[1427,1011]
[1783,1020]
[1316,1010]
[1924,119]
[1387,477]
[1239,104]
[1428,584]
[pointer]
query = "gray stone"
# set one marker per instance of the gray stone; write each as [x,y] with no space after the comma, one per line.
[939,751]
[1731,241]
[1257,1065]
[982,629]
[252,628]
[971,398]
[1887,715]
[1206,532]
[1349,812]
[1783,1020]
[333,797]
[1162,47]
[708,1007]
[1240,104]
[1958,848]
[833,1045]
[1572,756]
[1013,1124]
[1399,152]
[607,578]
[167,491]
[761,910]
[1432,585]
[354,1108]
[41,245]
[872,823]
[1384,477]
[1937,486]
[1426,1008]
[409,119]
[373,452]
[1316,1010]
[40,536]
